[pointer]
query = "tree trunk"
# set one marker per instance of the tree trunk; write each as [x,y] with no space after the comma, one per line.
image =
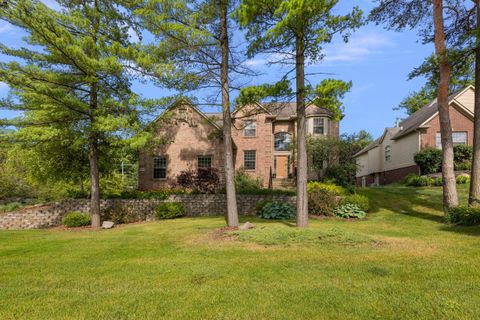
[450,198]
[474,196]
[232,213]
[93,157]
[302,197]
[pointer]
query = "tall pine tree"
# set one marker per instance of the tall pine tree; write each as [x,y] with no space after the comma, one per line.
[72,79]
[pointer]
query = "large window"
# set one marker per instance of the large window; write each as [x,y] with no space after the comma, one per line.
[283,141]
[160,168]
[388,153]
[319,126]
[250,129]
[204,162]
[459,138]
[249,159]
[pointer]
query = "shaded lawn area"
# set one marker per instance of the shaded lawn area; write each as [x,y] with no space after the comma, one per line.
[400,263]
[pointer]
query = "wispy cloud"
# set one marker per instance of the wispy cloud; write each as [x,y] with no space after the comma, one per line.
[361,46]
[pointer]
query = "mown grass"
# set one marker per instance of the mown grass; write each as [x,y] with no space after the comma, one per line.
[402,262]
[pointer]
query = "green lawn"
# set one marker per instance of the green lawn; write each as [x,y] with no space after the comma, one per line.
[400,263]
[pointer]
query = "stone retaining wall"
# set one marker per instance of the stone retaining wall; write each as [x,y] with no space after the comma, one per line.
[50,215]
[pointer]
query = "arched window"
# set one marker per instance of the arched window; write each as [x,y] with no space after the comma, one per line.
[283,141]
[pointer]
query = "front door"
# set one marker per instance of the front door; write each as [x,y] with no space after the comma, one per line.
[281,166]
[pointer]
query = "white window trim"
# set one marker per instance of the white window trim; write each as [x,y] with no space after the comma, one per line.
[246,124]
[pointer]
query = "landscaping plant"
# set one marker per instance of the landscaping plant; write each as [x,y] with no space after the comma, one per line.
[349,210]
[76,219]
[464,215]
[170,210]
[277,211]
[356,199]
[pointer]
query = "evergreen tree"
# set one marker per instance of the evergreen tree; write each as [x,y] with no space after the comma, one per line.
[73,79]
[295,30]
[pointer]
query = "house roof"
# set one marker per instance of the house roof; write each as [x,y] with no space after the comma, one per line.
[422,115]
[376,143]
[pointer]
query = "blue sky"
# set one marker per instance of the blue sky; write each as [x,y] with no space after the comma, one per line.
[375,60]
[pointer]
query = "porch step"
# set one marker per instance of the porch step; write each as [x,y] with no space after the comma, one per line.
[283,184]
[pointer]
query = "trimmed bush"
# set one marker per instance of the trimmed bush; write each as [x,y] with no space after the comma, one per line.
[463,179]
[277,211]
[260,205]
[348,211]
[76,219]
[170,210]
[204,180]
[463,215]
[121,213]
[429,160]
[361,201]
[414,180]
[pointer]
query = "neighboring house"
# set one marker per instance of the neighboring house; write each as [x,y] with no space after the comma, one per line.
[186,139]
[391,157]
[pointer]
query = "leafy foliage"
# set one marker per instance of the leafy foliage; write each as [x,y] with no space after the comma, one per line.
[325,186]
[415,180]
[170,210]
[362,202]
[349,210]
[204,180]
[462,157]
[245,183]
[322,202]
[277,211]
[463,215]
[462,179]
[429,160]
[121,213]
[76,219]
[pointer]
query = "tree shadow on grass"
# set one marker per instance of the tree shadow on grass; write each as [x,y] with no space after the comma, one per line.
[406,200]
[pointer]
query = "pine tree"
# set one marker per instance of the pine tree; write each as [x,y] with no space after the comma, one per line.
[73,81]
[296,31]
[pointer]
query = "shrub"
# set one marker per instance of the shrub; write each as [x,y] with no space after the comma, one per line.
[267,192]
[204,180]
[260,205]
[12,206]
[463,179]
[245,183]
[361,201]
[170,210]
[414,180]
[463,215]
[438,182]
[462,153]
[277,211]
[429,160]
[77,219]
[322,202]
[325,186]
[349,210]
[121,213]
[463,166]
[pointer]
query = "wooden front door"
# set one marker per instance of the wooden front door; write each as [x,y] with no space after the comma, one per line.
[281,167]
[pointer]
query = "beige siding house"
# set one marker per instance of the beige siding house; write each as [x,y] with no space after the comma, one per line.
[391,157]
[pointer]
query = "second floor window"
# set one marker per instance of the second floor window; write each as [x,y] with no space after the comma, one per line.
[319,126]
[204,162]
[249,159]
[388,153]
[250,129]
[283,141]
[160,167]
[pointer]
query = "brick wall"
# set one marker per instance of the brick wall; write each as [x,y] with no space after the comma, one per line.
[459,121]
[50,215]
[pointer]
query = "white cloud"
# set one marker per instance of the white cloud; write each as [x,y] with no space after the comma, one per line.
[361,46]
[52,4]
[3,86]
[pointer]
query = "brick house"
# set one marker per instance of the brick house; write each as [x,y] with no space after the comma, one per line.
[186,139]
[391,157]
